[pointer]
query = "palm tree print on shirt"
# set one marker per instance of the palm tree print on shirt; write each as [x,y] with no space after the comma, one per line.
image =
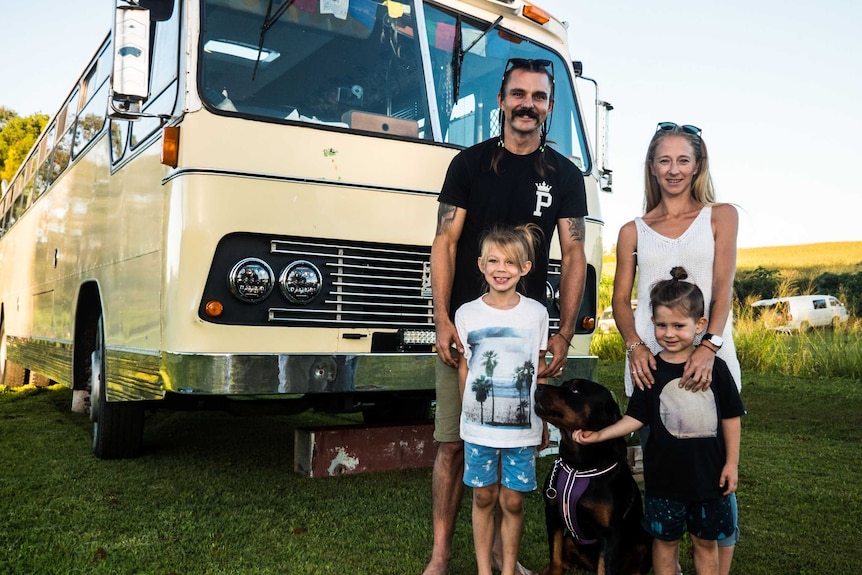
[502,350]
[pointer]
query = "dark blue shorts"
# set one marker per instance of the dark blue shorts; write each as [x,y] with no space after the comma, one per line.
[669,519]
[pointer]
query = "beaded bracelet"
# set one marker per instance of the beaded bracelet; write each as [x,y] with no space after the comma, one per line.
[632,347]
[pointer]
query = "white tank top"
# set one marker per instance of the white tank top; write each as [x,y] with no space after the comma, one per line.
[656,256]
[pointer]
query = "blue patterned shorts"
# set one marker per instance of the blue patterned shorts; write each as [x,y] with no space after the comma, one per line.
[513,467]
[668,519]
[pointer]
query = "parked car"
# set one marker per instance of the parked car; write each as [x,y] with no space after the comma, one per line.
[606,321]
[800,313]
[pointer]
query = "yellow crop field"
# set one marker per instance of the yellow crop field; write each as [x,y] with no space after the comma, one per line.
[836,257]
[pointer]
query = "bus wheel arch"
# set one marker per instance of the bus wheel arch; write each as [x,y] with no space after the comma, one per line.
[117,426]
[87,314]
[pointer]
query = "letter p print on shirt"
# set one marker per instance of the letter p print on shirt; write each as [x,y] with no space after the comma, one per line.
[543,198]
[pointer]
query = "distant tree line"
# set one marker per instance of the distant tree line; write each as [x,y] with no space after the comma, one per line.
[17,136]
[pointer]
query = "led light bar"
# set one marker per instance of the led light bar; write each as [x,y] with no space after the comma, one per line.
[414,336]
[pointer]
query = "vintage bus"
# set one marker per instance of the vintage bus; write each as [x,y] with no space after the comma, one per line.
[237,198]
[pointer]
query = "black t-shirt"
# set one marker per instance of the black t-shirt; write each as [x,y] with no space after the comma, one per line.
[516,194]
[685,452]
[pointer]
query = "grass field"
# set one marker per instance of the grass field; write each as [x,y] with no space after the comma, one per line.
[216,494]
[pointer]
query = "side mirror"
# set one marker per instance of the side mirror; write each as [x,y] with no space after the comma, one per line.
[130,81]
[603,110]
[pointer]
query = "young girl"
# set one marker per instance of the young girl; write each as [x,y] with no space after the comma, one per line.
[691,457]
[505,336]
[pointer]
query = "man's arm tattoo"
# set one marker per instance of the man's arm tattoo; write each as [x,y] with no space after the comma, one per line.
[445,217]
[577,229]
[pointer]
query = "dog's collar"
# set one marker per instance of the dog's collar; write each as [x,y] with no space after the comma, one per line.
[570,484]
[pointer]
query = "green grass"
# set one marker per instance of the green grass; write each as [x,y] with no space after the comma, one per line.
[818,352]
[835,353]
[216,494]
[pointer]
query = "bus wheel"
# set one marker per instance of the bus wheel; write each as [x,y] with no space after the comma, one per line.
[11,374]
[40,380]
[118,427]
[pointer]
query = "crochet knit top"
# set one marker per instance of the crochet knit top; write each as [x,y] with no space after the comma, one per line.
[656,255]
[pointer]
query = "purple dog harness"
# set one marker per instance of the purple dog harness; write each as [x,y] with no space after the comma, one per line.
[567,485]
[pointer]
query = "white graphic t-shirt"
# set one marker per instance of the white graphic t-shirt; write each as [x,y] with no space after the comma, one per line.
[502,350]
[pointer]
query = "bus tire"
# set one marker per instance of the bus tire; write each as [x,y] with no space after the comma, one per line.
[118,427]
[14,375]
[11,374]
[40,380]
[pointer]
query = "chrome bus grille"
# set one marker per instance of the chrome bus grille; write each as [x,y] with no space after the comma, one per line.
[363,286]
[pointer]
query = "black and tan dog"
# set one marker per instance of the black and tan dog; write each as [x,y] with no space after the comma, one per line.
[593,506]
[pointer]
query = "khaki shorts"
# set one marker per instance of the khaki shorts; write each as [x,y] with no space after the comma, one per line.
[447,418]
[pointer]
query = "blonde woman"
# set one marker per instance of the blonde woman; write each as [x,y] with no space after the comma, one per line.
[682,225]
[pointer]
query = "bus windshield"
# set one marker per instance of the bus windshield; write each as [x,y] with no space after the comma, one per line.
[361,67]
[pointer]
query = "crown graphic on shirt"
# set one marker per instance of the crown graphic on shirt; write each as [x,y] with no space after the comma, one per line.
[543,187]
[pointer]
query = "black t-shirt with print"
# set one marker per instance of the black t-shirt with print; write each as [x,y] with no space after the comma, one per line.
[685,452]
[516,194]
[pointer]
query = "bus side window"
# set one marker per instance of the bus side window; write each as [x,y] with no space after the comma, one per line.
[165,52]
[4,212]
[27,196]
[19,201]
[93,102]
[43,176]
[163,83]
[92,118]
[23,200]
[63,149]
[119,132]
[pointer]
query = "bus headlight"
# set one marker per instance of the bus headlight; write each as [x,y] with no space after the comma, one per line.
[300,282]
[552,296]
[251,280]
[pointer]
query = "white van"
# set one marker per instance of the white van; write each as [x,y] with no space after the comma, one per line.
[801,312]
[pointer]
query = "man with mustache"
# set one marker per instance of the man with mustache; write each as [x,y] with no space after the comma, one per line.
[509,180]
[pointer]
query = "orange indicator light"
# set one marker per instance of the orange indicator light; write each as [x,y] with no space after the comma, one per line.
[536,14]
[214,308]
[171,146]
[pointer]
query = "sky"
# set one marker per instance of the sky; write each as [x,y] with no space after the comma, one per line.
[774,85]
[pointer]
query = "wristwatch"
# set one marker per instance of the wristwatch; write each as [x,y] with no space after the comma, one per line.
[715,340]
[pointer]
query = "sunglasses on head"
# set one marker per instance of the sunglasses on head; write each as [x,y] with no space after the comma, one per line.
[670,126]
[534,65]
